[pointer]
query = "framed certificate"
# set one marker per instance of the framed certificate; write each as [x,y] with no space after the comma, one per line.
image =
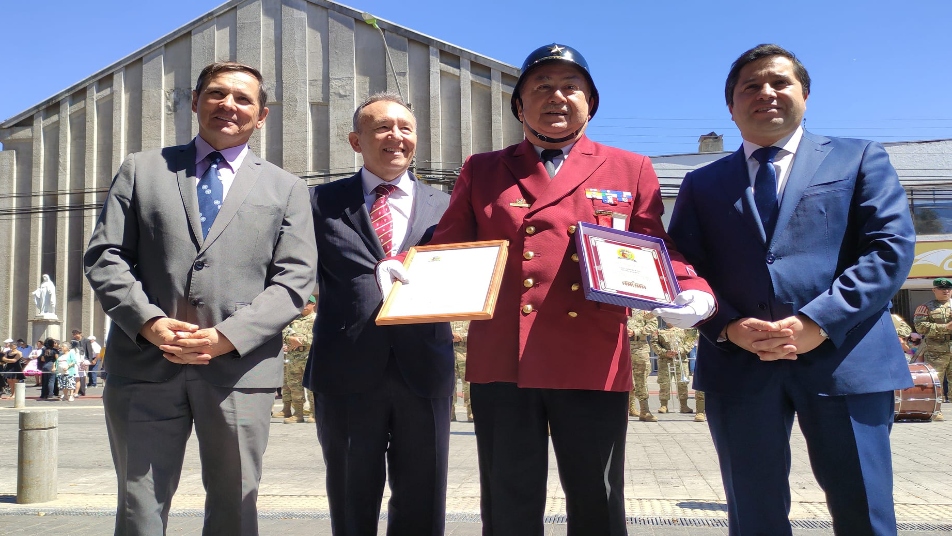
[623,268]
[447,282]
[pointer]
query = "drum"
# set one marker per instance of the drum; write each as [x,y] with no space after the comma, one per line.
[921,401]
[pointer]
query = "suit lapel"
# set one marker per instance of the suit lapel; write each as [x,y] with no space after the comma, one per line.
[543,191]
[357,214]
[187,188]
[580,164]
[422,210]
[810,154]
[740,191]
[244,182]
[527,168]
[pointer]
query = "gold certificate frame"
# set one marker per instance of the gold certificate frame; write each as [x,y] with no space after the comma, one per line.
[447,282]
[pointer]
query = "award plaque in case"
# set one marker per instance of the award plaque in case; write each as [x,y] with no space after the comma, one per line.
[624,268]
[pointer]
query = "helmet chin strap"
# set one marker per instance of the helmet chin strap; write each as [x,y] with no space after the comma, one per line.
[547,139]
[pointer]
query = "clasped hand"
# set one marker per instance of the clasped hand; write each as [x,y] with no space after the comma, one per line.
[772,341]
[184,343]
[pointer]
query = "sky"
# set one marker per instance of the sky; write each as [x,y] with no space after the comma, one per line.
[881,69]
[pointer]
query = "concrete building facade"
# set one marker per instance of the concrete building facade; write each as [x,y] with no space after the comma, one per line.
[319,59]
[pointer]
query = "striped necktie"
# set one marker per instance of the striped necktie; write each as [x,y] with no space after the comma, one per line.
[381,218]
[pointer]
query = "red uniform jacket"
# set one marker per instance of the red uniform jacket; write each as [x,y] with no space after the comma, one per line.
[544,333]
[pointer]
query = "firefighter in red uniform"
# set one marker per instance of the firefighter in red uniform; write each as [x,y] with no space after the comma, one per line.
[549,358]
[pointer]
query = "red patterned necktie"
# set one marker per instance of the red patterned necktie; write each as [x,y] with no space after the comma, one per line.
[380,217]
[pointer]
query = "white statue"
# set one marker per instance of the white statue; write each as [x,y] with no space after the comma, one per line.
[44,298]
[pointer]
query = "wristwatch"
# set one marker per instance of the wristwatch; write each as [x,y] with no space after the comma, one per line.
[823,333]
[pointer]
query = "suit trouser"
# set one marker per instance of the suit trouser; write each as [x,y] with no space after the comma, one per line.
[848,443]
[386,431]
[588,435]
[149,425]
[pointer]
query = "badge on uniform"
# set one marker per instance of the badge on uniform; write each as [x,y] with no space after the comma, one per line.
[520,203]
[611,197]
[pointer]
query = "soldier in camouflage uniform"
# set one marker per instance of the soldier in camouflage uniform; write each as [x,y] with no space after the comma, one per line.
[297,338]
[669,344]
[933,321]
[460,334]
[642,325]
[903,331]
[688,344]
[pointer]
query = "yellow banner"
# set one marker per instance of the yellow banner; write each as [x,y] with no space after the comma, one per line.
[933,259]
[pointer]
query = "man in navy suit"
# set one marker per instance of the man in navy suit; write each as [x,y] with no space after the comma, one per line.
[381,393]
[804,243]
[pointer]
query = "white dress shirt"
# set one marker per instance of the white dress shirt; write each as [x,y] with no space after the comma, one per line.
[783,161]
[233,156]
[400,202]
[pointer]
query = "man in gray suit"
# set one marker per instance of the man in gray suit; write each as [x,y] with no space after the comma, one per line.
[381,393]
[201,255]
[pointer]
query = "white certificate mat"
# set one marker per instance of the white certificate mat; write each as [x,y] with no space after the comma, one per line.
[629,269]
[447,282]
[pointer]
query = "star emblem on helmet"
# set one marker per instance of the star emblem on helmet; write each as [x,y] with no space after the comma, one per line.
[556,49]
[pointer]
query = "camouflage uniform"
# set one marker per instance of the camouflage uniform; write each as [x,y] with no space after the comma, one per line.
[671,338]
[690,342]
[903,331]
[461,328]
[642,325]
[902,328]
[930,320]
[294,362]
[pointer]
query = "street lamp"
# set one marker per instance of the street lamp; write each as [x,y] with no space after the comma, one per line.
[371,20]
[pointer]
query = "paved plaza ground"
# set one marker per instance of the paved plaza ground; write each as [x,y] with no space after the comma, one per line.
[673,486]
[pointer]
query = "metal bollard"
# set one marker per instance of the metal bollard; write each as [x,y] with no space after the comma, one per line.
[19,395]
[37,456]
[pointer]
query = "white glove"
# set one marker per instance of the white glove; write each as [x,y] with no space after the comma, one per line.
[389,271]
[697,305]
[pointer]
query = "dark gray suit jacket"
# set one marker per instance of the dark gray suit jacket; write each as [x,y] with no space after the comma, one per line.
[350,352]
[249,277]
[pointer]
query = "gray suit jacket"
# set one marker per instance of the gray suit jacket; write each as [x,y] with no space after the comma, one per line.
[249,277]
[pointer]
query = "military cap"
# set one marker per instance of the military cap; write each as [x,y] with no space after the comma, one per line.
[941,282]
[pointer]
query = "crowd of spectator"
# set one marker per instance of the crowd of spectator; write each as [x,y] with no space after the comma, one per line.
[60,369]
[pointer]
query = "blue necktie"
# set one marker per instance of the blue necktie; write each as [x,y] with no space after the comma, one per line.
[210,193]
[765,188]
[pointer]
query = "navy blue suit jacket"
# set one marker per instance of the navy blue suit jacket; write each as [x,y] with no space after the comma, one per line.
[350,351]
[842,247]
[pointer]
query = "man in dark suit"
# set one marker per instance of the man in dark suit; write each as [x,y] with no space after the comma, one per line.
[381,393]
[804,239]
[202,254]
[549,359]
